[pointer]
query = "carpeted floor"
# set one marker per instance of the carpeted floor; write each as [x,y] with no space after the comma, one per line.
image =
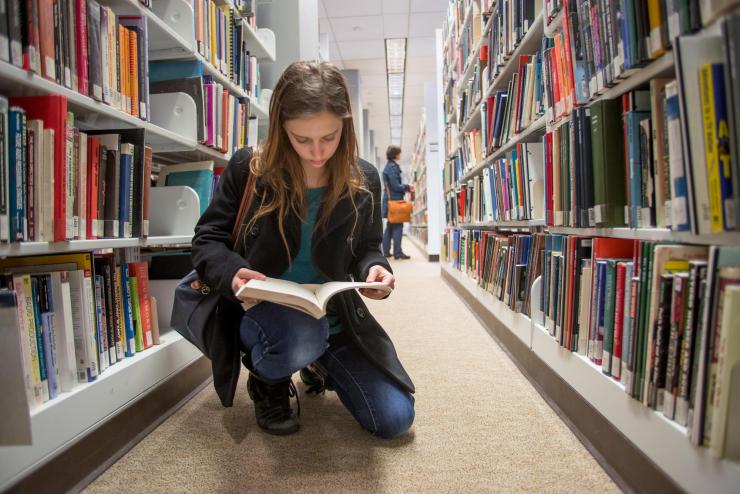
[480,426]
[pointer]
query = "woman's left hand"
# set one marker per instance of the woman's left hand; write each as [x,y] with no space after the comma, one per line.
[378,273]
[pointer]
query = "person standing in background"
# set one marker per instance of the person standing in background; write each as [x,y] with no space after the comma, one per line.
[396,188]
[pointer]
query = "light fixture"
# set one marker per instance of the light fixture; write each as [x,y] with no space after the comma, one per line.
[395,64]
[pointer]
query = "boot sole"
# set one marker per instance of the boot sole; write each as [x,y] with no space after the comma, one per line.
[280,432]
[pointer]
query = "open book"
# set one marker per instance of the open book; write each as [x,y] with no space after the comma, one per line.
[311,299]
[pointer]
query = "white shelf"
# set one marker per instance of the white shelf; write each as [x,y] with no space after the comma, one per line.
[662,440]
[656,234]
[661,67]
[503,224]
[92,114]
[38,248]
[257,110]
[59,422]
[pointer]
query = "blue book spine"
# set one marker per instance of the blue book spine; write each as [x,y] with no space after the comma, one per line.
[124,192]
[47,322]
[722,131]
[635,164]
[16,172]
[673,118]
[601,266]
[102,337]
[130,346]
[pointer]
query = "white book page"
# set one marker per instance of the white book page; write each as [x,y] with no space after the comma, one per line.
[278,291]
[328,290]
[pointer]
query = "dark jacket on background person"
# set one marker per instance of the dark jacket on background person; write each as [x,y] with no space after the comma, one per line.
[392,182]
[338,252]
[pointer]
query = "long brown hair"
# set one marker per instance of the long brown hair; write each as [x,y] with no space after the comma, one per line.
[304,89]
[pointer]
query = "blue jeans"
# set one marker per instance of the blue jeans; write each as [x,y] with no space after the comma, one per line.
[280,341]
[395,231]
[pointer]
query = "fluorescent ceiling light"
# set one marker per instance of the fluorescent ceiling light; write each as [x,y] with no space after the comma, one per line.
[395,85]
[395,60]
[395,54]
[395,106]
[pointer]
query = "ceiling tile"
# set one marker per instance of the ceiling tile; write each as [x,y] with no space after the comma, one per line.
[325,27]
[421,47]
[351,8]
[424,25]
[395,25]
[429,5]
[395,6]
[322,10]
[357,28]
[358,50]
[370,66]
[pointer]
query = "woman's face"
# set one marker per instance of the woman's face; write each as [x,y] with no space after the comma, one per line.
[315,137]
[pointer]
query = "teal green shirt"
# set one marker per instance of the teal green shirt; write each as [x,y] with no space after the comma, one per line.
[302,270]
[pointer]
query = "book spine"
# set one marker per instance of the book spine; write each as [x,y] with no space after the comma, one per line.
[706,89]
[128,322]
[133,285]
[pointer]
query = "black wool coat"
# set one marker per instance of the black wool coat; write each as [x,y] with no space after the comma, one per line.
[341,252]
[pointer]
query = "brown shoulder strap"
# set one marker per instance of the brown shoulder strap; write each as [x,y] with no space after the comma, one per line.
[244,205]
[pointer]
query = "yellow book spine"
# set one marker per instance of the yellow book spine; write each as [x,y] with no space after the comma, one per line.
[706,90]
[655,20]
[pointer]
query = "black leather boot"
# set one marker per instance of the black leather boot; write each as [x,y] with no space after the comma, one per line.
[272,405]
[315,377]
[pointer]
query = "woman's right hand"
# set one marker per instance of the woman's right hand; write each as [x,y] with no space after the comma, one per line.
[244,275]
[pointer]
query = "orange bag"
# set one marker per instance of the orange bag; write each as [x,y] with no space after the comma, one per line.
[399,211]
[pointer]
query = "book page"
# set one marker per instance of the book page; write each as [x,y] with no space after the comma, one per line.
[328,290]
[280,292]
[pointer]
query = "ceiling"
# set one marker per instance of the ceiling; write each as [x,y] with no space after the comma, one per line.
[357,29]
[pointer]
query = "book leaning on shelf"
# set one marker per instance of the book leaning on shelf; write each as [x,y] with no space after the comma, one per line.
[76,315]
[307,298]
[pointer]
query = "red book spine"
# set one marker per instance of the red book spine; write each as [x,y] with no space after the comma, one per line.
[616,370]
[31,48]
[53,111]
[93,169]
[569,78]
[81,53]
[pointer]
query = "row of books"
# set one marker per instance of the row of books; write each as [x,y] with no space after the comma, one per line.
[511,111]
[660,319]
[509,189]
[58,182]
[511,22]
[76,315]
[61,183]
[656,317]
[646,160]
[502,264]
[223,119]
[83,46]
[221,38]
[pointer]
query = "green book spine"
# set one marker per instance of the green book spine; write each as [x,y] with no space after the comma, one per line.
[597,160]
[136,312]
[609,298]
[645,276]
[614,173]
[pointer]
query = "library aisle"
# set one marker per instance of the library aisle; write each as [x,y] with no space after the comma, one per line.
[480,425]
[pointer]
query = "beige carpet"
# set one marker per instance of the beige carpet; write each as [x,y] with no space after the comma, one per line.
[480,426]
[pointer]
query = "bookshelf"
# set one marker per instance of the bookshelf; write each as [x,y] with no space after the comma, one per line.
[646,450]
[418,228]
[85,428]
[660,439]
